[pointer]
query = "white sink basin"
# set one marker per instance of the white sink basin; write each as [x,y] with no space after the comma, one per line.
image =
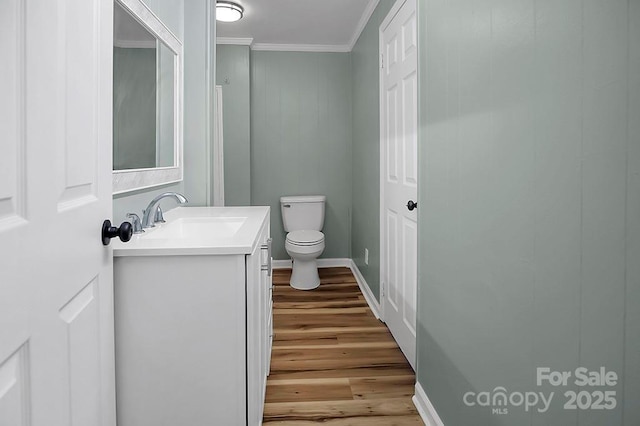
[198,231]
[196,227]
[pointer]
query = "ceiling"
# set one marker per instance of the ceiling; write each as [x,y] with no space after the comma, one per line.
[320,25]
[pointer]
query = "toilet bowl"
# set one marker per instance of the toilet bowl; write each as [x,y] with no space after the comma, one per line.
[304,247]
[303,218]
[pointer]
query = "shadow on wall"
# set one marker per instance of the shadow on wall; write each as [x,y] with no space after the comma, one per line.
[460,402]
[456,384]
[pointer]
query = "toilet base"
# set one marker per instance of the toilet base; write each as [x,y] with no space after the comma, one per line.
[304,275]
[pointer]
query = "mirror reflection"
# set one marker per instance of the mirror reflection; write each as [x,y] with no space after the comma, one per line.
[143,97]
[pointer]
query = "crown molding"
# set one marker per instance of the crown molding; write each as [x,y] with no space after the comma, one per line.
[336,48]
[364,20]
[242,41]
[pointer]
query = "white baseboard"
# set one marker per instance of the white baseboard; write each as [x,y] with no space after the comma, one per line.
[425,408]
[366,290]
[281,264]
[322,263]
[334,263]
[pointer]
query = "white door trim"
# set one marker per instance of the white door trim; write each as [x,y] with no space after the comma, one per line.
[383,157]
[387,20]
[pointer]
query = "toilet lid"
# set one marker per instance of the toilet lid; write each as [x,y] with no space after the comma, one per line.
[305,238]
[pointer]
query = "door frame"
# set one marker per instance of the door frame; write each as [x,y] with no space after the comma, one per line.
[383,156]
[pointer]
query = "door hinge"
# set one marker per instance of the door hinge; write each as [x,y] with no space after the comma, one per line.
[382,289]
[381,61]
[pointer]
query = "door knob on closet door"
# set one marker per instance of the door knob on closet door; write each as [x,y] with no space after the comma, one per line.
[124,232]
[411,205]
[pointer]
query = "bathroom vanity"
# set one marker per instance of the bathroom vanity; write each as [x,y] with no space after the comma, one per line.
[193,312]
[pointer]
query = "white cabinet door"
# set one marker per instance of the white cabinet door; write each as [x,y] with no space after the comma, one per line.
[266,287]
[255,311]
[56,318]
[180,330]
[258,326]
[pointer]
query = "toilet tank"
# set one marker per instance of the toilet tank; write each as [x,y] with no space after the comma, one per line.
[303,212]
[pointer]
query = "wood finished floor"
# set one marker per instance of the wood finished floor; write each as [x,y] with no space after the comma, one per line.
[333,362]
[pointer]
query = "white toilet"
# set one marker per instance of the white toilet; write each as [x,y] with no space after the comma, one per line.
[303,218]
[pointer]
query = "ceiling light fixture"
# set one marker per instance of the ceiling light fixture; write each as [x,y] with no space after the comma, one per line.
[227,11]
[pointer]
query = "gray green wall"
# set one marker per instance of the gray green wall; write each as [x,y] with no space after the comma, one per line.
[232,73]
[530,202]
[197,71]
[199,105]
[301,138]
[365,77]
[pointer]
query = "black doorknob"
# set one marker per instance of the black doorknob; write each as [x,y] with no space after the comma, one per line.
[124,232]
[411,205]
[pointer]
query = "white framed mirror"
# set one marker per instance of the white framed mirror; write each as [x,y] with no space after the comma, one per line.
[147,100]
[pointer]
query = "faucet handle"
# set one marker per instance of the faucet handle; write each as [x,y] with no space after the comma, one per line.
[135,221]
[158,217]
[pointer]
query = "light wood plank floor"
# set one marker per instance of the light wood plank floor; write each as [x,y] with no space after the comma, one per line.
[333,362]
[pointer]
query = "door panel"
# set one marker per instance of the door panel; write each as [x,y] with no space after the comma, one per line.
[78,107]
[392,134]
[399,123]
[56,285]
[14,388]
[410,139]
[392,258]
[410,273]
[82,334]
[12,44]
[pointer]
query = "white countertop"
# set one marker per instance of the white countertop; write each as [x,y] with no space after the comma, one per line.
[178,236]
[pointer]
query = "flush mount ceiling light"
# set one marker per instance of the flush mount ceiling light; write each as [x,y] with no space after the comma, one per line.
[227,11]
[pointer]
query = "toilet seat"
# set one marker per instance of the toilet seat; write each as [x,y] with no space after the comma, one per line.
[305,238]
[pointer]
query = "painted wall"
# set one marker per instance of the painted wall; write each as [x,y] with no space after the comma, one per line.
[197,39]
[232,73]
[530,195]
[301,138]
[199,81]
[365,77]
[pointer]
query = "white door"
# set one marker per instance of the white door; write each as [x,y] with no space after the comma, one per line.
[399,174]
[56,313]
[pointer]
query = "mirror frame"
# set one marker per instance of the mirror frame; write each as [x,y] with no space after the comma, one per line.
[137,179]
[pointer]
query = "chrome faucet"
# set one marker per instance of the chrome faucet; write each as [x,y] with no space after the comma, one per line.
[135,222]
[149,212]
